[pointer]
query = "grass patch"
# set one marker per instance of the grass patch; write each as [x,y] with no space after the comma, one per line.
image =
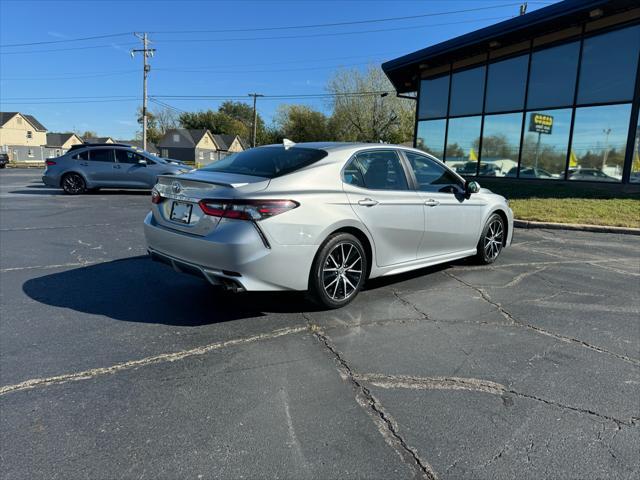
[615,212]
[611,205]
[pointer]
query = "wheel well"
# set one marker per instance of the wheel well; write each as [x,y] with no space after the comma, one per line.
[506,225]
[360,235]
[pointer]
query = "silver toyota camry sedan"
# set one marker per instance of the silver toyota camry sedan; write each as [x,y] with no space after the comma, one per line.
[322,217]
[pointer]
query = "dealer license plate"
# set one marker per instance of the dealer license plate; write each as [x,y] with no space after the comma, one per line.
[181,212]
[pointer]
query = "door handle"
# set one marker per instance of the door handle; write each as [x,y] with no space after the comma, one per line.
[116,166]
[84,164]
[368,202]
[431,203]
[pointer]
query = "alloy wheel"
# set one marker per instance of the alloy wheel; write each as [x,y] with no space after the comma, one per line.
[73,184]
[342,271]
[493,239]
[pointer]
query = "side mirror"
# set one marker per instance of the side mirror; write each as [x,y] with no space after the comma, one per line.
[142,161]
[471,187]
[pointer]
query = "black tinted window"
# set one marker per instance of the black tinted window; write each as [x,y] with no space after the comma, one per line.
[127,156]
[377,170]
[81,155]
[506,84]
[431,176]
[101,155]
[467,91]
[267,162]
[553,76]
[608,70]
[434,97]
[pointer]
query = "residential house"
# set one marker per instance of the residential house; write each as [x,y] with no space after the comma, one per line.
[151,147]
[99,140]
[228,143]
[59,143]
[22,136]
[189,145]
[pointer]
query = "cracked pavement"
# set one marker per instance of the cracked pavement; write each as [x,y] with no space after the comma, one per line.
[112,366]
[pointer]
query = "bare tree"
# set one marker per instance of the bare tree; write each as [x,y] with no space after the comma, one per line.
[363,110]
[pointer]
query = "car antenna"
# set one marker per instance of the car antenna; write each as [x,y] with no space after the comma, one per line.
[287,143]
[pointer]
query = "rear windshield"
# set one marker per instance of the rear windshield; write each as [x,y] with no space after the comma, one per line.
[267,162]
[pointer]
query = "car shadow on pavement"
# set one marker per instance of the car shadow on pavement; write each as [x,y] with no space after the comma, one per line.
[45,190]
[136,289]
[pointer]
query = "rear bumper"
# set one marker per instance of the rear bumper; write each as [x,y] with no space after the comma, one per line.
[50,180]
[234,254]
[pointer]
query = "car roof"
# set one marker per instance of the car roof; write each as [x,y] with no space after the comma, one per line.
[340,146]
[94,145]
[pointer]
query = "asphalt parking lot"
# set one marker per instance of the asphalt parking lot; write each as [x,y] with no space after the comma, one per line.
[116,367]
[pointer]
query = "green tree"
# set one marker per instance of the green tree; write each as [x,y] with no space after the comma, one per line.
[301,123]
[87,134]
[158,122]
[368,117]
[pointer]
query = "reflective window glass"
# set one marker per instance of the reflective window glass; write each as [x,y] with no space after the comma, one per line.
[544,148]
[608,70]
[434,97]
[506,84]
[500,144]
[430,137]
[635,160]
[381,170]
[462,143]
[127,156]
[84,155]
[101,155]
[431,176]
[553,76]
[467,92]
[599,143]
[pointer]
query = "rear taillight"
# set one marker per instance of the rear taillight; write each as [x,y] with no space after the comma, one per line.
[156,198]
[49,163]
[246,209]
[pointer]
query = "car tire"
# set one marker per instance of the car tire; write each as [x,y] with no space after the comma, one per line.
[73,184]
[338,271]
[492,240]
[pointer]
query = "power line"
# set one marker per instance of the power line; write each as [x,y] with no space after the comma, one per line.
[66,40]
[75,97]
[72,77]
[263,29]
[337,24]
[72,101]
[88,47]
[330,34]
[275,97]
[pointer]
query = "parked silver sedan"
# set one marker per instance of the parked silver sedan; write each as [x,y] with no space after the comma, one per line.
[89,167]
[322,217]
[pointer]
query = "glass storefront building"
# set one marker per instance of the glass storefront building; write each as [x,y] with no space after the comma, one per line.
[551,95]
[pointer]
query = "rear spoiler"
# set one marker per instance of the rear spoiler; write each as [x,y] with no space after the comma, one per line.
[171,178]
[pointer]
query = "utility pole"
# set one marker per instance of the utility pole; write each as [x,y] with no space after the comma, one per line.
[523,8]
[146,53]
[255,117]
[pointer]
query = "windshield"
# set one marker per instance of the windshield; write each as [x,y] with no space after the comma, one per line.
[269,162]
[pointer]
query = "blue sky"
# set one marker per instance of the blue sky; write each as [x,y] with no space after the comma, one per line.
[204,63]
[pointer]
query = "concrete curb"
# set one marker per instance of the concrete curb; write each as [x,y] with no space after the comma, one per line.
[575,226]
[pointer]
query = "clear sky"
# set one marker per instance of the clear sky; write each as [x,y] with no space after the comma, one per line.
[71,84]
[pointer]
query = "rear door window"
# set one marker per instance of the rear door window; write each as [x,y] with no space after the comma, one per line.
[84,155]
[376,170]
[101,155]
